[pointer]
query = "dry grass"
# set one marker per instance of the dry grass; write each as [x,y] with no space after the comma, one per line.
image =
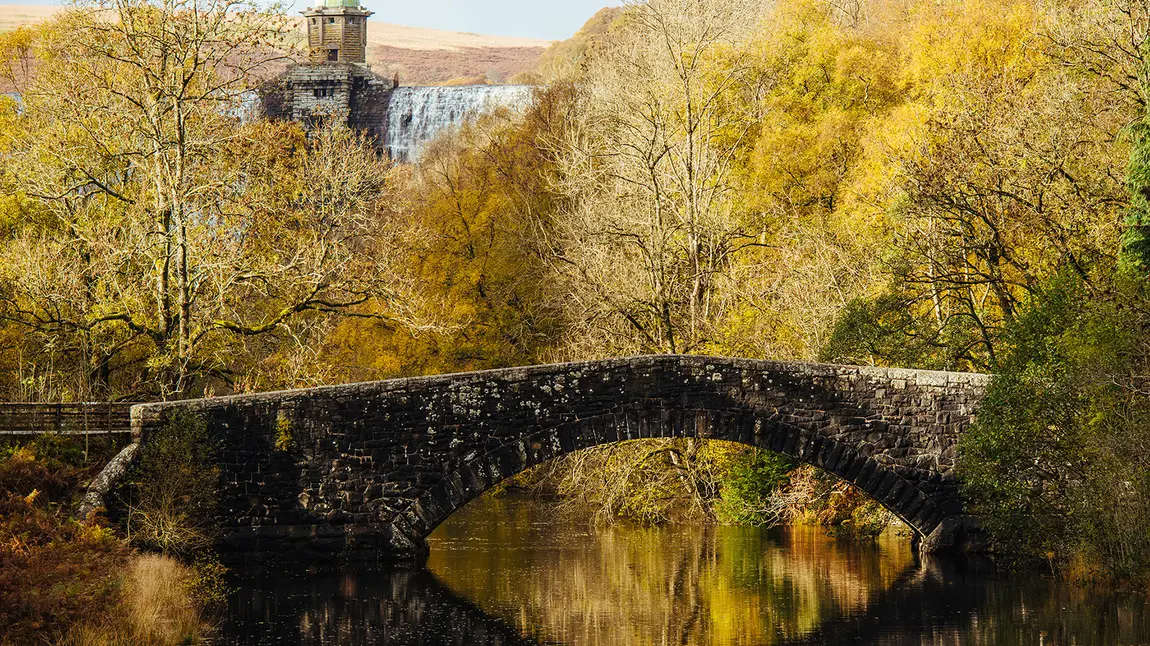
[155,609]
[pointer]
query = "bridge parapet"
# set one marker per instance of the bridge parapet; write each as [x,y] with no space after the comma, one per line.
[374,468]
[102,418]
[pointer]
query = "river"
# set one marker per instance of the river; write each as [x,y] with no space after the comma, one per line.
[510,572]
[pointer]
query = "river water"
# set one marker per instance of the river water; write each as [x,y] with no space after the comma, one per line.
[507,572]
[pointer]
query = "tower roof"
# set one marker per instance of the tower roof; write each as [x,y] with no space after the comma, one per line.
[335,4]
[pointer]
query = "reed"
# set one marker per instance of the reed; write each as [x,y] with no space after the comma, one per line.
[155,609]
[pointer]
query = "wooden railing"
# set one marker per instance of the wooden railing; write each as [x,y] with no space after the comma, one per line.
[65,419]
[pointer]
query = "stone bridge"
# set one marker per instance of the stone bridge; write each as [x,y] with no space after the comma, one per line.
[374,468]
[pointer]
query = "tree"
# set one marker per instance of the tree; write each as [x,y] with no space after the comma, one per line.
[1006,175]
[471,203]
[649,223]
[1110,40]
[1057,465]
[1136,238]
[166,239]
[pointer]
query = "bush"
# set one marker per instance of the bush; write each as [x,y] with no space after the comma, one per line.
[822,499]
[749,487]
[22,473]
[648,482]
[173,493]
[68,582]
[885,331]
[1056,465]
[153,607]
[53,572]
[681,480]
[850,514]
[53,465]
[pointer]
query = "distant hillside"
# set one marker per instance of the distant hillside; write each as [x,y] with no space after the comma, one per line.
[562,58]
[420,56]
[431,57]
[470,64]
[14,15]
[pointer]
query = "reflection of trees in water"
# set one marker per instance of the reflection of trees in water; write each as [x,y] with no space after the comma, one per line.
[504,577]
[672,586]
[358,606]
[946,602]
[744,586]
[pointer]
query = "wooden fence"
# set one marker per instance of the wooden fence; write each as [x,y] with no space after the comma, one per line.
[65,419]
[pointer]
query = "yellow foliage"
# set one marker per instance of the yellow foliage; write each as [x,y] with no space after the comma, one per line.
[735,194]
[972,42]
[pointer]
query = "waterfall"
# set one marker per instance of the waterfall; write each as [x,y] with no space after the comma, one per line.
[416,115]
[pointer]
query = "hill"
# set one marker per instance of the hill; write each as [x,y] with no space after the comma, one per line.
[420,56]
[430,56]
[14,15]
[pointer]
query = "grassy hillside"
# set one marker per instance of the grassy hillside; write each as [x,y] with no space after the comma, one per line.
[420,56]
[14,15]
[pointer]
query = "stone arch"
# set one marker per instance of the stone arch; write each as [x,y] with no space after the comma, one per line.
[881,482]
[376,467]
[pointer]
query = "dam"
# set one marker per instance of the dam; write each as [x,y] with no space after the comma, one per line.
[336,81]
[417,115]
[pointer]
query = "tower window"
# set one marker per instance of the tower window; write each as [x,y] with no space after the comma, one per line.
[331,21]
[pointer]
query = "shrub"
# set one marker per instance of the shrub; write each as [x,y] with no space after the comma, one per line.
[749,487]
[1056,464]
[22,473]
[53,572]
[649,482]
[53,465]
[850,514]
[822,499]
[69,582]
[173,495]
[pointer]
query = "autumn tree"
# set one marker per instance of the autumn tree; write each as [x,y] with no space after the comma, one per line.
[468,205]
[650,222]
[164,239]
[806,172]
[1000,171]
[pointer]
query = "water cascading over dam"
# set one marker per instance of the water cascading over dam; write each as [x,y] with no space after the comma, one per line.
[417,115]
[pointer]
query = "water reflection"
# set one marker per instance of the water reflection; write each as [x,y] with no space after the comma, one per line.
[360,606]
[505,574]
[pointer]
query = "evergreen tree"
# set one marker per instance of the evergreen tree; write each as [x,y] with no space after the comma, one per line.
[1136,238]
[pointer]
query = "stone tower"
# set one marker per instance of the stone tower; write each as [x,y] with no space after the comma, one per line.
[337,31]
[336,81]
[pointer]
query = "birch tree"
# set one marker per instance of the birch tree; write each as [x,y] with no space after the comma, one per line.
[651,224]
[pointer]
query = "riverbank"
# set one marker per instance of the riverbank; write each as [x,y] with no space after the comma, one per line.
[688,481]
[74,583]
